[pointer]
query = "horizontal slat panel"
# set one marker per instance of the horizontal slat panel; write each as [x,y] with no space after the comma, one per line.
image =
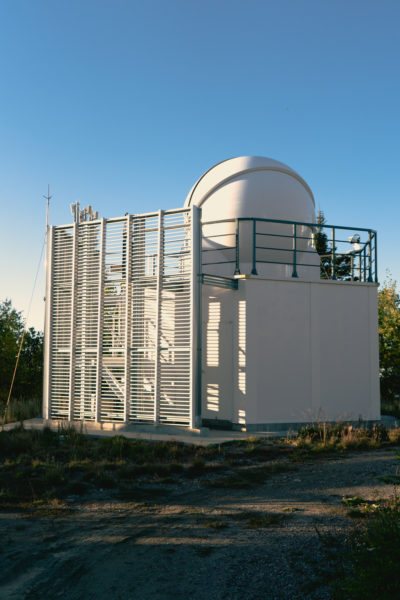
[142,335]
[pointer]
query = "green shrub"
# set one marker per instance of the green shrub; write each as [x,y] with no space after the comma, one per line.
[374,558]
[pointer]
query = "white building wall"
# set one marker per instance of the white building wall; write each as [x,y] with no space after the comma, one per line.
[291,351]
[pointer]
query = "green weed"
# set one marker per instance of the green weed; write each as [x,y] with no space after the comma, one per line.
[373,558]
[215,524]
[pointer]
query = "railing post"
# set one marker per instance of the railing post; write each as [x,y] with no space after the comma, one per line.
[254,268]
[237,258]
[369,258]
[376,257]
[364,265]
[333,268]
[294,272]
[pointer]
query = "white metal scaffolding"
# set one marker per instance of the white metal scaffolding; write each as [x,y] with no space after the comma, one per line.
[121,319]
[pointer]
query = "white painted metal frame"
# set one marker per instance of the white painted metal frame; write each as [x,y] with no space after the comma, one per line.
[128,302]
[72,334]
[160,266]
[145,359]
[100,319]
[195,319]
[48,309]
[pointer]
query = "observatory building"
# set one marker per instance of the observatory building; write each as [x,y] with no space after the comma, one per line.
[241,310]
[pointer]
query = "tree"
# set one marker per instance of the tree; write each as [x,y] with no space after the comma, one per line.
[389,344]
[324,248]
[28,380]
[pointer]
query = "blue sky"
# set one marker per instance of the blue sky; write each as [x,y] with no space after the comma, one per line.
[124,104]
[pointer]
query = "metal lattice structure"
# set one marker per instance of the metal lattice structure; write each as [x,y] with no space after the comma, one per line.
[121,319]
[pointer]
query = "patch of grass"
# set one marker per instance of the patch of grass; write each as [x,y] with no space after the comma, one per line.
[357,513]
[105,480]
[39,464]
[257,520]
[78,488]
[197,467]
[373,558]
[247,477]
[352,500]
[323,437]
[215,524]
[21,409]
[360,508]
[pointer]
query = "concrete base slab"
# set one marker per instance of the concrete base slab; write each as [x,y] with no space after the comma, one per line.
[162,433]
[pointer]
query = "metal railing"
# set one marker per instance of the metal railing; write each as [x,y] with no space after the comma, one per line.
[339,252]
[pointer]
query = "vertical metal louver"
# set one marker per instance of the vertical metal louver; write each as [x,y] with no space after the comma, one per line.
[120,329]
[85,321]
[59,298]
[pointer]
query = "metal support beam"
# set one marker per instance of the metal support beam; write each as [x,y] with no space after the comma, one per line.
[100,320]
[47,322]
[195,319]
[128,344]
[72,324]
[160,271]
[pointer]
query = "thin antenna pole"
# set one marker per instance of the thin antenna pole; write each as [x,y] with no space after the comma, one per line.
[48,198]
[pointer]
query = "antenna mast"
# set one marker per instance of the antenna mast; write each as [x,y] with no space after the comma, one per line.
[48,198]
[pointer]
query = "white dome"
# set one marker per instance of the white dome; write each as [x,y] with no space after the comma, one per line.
[252,186]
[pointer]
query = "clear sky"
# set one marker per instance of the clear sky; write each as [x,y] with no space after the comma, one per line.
[124,104]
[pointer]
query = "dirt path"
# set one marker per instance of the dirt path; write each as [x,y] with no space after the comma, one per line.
[193,542]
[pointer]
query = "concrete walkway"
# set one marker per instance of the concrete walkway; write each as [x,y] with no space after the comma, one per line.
[161,433]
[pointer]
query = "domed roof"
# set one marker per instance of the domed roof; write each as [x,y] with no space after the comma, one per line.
[233,169]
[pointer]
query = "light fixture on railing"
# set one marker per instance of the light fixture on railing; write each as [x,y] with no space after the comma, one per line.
[355,242]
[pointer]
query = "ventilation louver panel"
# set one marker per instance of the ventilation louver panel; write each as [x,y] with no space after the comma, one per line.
[122,300]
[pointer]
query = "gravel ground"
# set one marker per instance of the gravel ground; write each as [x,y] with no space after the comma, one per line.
[194,541]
